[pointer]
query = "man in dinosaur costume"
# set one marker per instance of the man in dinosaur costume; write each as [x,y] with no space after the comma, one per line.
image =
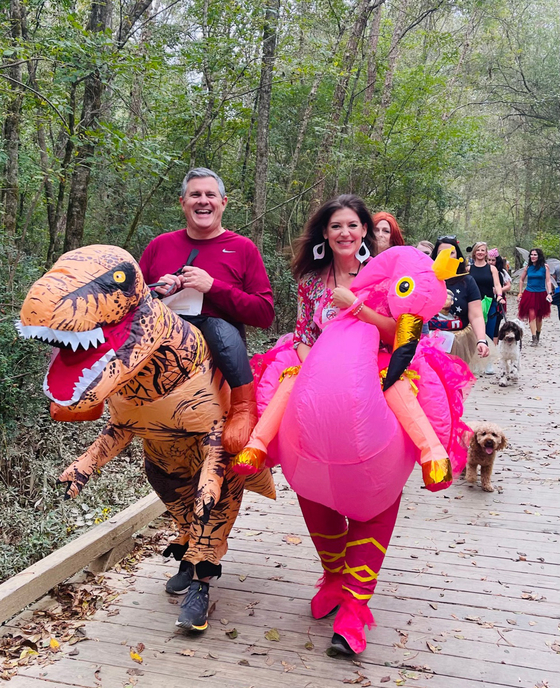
[113,341]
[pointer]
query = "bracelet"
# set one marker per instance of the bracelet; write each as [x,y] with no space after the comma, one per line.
[358,308]
[482,341]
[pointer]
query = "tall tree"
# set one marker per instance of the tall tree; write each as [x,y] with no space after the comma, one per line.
[12,121]
[270,37]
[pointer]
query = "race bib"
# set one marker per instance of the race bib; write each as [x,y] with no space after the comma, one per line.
[185,302]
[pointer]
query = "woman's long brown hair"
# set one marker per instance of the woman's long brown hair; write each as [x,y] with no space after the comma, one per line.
[312,235]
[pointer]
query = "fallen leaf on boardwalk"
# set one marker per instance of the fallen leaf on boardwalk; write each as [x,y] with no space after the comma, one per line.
[97,674]
[287,667]
[472,618]
[135,672]
[186,652]
[555,647]
[242,578]
[360,678]
[135,657]
[207,674]
[258,650]
[309,645]
[512,622]
[244,662]
[232,633]
[433,605]
[385,679]
[224,622]
[269,661]
[211,656]
[292,539]
[140,648]
[212,608]
[433,648]
[272,634]
[54,645]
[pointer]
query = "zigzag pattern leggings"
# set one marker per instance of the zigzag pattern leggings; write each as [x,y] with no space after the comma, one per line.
[353,548]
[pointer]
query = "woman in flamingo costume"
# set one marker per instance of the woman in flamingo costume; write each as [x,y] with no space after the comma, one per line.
[347,443]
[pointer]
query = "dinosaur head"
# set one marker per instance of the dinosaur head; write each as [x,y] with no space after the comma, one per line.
[413,287]
[94,308]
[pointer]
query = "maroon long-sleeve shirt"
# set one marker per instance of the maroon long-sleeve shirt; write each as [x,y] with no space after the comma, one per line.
[241,291]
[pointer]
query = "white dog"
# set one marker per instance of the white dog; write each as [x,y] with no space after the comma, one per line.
[510,338]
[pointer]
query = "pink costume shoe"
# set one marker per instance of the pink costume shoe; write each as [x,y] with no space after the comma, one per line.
[329,596]
[349,635]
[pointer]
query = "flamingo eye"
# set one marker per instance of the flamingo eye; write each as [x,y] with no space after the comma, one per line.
[405,287]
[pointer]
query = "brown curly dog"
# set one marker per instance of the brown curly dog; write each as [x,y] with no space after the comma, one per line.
[487,441]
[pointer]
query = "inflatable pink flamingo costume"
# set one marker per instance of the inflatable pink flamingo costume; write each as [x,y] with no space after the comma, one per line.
[347,444]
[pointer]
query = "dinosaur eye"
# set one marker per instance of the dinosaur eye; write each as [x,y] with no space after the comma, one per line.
[119,276]
[405,287]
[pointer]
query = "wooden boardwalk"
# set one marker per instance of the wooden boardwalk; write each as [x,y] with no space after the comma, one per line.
[469,594]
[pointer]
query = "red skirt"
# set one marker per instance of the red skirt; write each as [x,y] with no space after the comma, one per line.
[533,301]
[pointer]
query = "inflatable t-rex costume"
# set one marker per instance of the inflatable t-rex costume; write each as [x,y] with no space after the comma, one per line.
[114,341]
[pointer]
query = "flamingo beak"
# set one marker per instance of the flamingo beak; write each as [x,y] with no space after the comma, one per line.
[407,336]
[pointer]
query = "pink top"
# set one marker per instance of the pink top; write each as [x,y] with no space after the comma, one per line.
[241,290]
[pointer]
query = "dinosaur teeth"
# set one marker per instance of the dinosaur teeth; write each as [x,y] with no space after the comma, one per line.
[84,381]
[90,338]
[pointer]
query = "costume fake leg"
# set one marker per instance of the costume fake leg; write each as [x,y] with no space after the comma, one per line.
[328,530]
[252,458]
[436,467]
[366,546]
[230,355]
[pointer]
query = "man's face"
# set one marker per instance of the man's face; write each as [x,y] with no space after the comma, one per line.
[203,207]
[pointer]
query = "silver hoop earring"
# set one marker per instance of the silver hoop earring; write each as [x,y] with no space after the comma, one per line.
[362,254]
[319,251]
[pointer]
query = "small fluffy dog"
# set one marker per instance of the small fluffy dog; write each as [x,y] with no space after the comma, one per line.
[487,441]
[510,339]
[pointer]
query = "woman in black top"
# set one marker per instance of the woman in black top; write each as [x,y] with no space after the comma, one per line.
[467,308]
[488,281]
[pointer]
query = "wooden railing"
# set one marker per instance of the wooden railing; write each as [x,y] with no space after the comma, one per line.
[99,549]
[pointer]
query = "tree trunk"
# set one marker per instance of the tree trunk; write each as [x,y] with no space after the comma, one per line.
[389,76]
[364,9]
[372,64]
[11,125]
[270,33]
[99,19]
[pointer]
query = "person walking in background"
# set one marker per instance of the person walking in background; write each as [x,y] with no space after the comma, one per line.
[488,282]
[425,246]
[535,299]
[468,338]
[496,260]
[555,274]
[387,231]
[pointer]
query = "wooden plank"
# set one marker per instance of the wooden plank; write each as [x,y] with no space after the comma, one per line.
[28,585]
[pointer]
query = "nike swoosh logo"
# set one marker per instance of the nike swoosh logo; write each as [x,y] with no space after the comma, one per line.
[226,251]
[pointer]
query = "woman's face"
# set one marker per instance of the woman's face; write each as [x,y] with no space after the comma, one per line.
[442,247]
[382,231]
[534,256]
[481,252]
[344,233]
[492,260]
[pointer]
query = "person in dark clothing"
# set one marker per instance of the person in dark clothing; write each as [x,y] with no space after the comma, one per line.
[469,339]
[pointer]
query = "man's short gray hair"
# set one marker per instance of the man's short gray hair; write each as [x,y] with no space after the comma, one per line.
[200,173]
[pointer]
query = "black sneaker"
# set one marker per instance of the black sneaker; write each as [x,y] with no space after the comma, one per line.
[179,583]
[340,644]
[194,608]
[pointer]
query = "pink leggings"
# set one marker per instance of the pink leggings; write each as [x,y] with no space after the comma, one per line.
[354,549]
